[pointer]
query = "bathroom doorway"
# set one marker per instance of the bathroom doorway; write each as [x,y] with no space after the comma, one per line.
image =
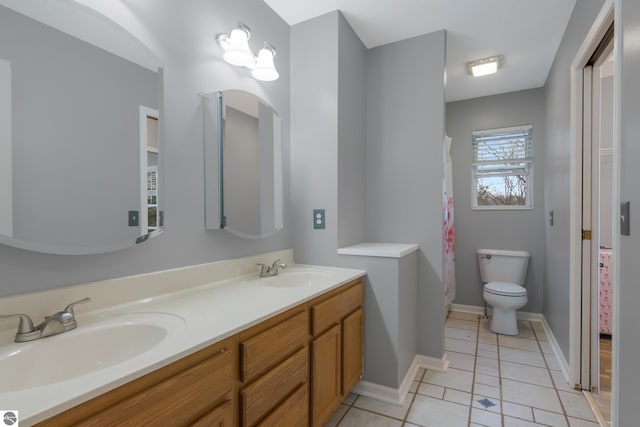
[598,225]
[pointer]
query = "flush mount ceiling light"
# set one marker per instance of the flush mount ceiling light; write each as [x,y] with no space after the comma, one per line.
[484,67]
[265,70]
[236,47]
[237,52]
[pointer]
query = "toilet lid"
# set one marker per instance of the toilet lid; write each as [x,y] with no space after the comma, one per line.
[506,289]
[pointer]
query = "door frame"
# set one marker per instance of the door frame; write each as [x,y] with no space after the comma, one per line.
[599,28]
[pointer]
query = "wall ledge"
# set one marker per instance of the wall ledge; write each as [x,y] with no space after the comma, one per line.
[385,250]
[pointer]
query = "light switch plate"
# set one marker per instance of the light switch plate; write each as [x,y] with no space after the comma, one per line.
[133,219]
[625,220]
[318,219]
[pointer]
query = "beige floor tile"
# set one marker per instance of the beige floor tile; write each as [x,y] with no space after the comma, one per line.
[542,336]
[471,325]
[459,346]
[561,383]
[525,333]
[430,412]
[453,378]
[487,380]
[336,416]
[486,418]
[526,373]
[530,395]
[514,422]
[487,370]
[524,324]
[431,390]
[384,408]
[460,334]
[487,390]
[575,405]
[546,347]
[488,337]
[549,418]
[537,325]
[456,396]
[485,325]
[477,398]
[517,411]
[522,356]
[414,387]
[488,354]
[475,425]
[463,316]
[575,422]
[485,361]
[552,362]
[351,397]
[519,343]
[419,374]
[463,361]
[487,347]
[357,418]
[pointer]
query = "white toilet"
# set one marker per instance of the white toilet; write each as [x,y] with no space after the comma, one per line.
[503,273]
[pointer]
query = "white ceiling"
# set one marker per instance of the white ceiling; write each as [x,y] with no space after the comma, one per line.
[526,32]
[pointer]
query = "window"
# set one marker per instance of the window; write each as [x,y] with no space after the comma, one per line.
[502,168]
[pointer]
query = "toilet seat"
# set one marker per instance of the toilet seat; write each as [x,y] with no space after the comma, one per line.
[505,289]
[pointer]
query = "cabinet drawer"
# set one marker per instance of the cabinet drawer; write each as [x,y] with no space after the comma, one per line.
[261,352]
[292,412]
[221,416]
[177,401]
[258,398]
[331,311]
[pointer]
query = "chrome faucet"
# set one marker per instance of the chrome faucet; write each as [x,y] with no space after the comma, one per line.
[57,323]
[266,271]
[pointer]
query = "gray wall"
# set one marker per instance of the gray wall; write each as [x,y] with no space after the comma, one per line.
[556,185]
[626,373]
[405,138]
[183,35]
[496,229]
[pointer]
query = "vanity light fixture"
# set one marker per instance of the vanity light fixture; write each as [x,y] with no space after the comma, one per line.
[484,67]
[237,52]
[236,47]
[265,70]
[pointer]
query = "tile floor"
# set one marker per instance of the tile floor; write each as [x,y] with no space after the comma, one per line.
[492,380]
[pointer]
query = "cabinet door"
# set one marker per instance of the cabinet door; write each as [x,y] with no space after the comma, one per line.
[352,349]
[222,416]
[326,375]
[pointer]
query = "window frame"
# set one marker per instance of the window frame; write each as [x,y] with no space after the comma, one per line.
[529,161]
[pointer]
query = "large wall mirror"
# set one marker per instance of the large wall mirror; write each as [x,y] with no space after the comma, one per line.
[243,166]
[80,131]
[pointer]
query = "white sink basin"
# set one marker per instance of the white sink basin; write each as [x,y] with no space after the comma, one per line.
[299,277]
[93,346]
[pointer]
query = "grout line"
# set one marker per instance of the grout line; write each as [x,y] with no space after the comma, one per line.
[500,379]
[475,363]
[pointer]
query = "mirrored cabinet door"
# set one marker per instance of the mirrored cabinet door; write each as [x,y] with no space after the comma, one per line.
[243,164]
[81,131]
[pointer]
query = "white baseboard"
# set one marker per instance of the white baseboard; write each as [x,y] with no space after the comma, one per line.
[523,315]
[397,395]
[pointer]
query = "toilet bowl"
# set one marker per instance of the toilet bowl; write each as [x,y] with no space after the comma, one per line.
[505,298]
[503,274]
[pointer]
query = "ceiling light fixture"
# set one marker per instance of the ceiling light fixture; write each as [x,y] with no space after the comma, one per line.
[237,52]
[484,67]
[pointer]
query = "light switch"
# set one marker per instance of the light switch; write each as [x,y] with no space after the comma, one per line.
[625,222]
[133,219]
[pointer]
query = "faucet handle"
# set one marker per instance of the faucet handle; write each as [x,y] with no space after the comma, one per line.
[26,324]
[264,269]
[275,263]
[69,308]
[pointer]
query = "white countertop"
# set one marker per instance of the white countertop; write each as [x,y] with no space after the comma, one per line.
[210,313]
[386,250]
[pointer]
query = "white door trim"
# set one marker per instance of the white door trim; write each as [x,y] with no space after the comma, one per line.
[593,38]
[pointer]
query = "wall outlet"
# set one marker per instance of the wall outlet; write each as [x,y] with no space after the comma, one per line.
[318,219]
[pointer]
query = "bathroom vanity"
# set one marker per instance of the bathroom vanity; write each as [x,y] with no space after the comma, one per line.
[243,351]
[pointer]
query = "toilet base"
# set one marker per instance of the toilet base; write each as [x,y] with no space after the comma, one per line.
[504,322]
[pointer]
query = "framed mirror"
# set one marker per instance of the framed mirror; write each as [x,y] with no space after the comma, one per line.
[243,164]
[80,131]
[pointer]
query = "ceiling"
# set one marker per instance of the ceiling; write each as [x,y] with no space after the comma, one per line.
[526,32]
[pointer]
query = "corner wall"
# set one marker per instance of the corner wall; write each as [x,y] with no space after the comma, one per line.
[496,229]
[556,185]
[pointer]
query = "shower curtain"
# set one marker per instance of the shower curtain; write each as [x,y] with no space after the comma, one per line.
[448,270]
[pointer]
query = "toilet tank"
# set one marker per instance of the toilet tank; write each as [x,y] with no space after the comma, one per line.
[503,266]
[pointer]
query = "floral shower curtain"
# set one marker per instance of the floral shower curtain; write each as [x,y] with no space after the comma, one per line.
[448,270]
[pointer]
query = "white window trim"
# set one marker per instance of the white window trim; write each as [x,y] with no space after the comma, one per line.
[474,186]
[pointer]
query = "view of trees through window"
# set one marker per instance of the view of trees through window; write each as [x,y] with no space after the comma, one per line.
[501,166]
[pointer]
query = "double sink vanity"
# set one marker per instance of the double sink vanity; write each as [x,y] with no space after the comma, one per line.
[177,348]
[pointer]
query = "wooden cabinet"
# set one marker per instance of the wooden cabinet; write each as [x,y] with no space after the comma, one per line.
[336,362]
[293,369]
[192,389]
